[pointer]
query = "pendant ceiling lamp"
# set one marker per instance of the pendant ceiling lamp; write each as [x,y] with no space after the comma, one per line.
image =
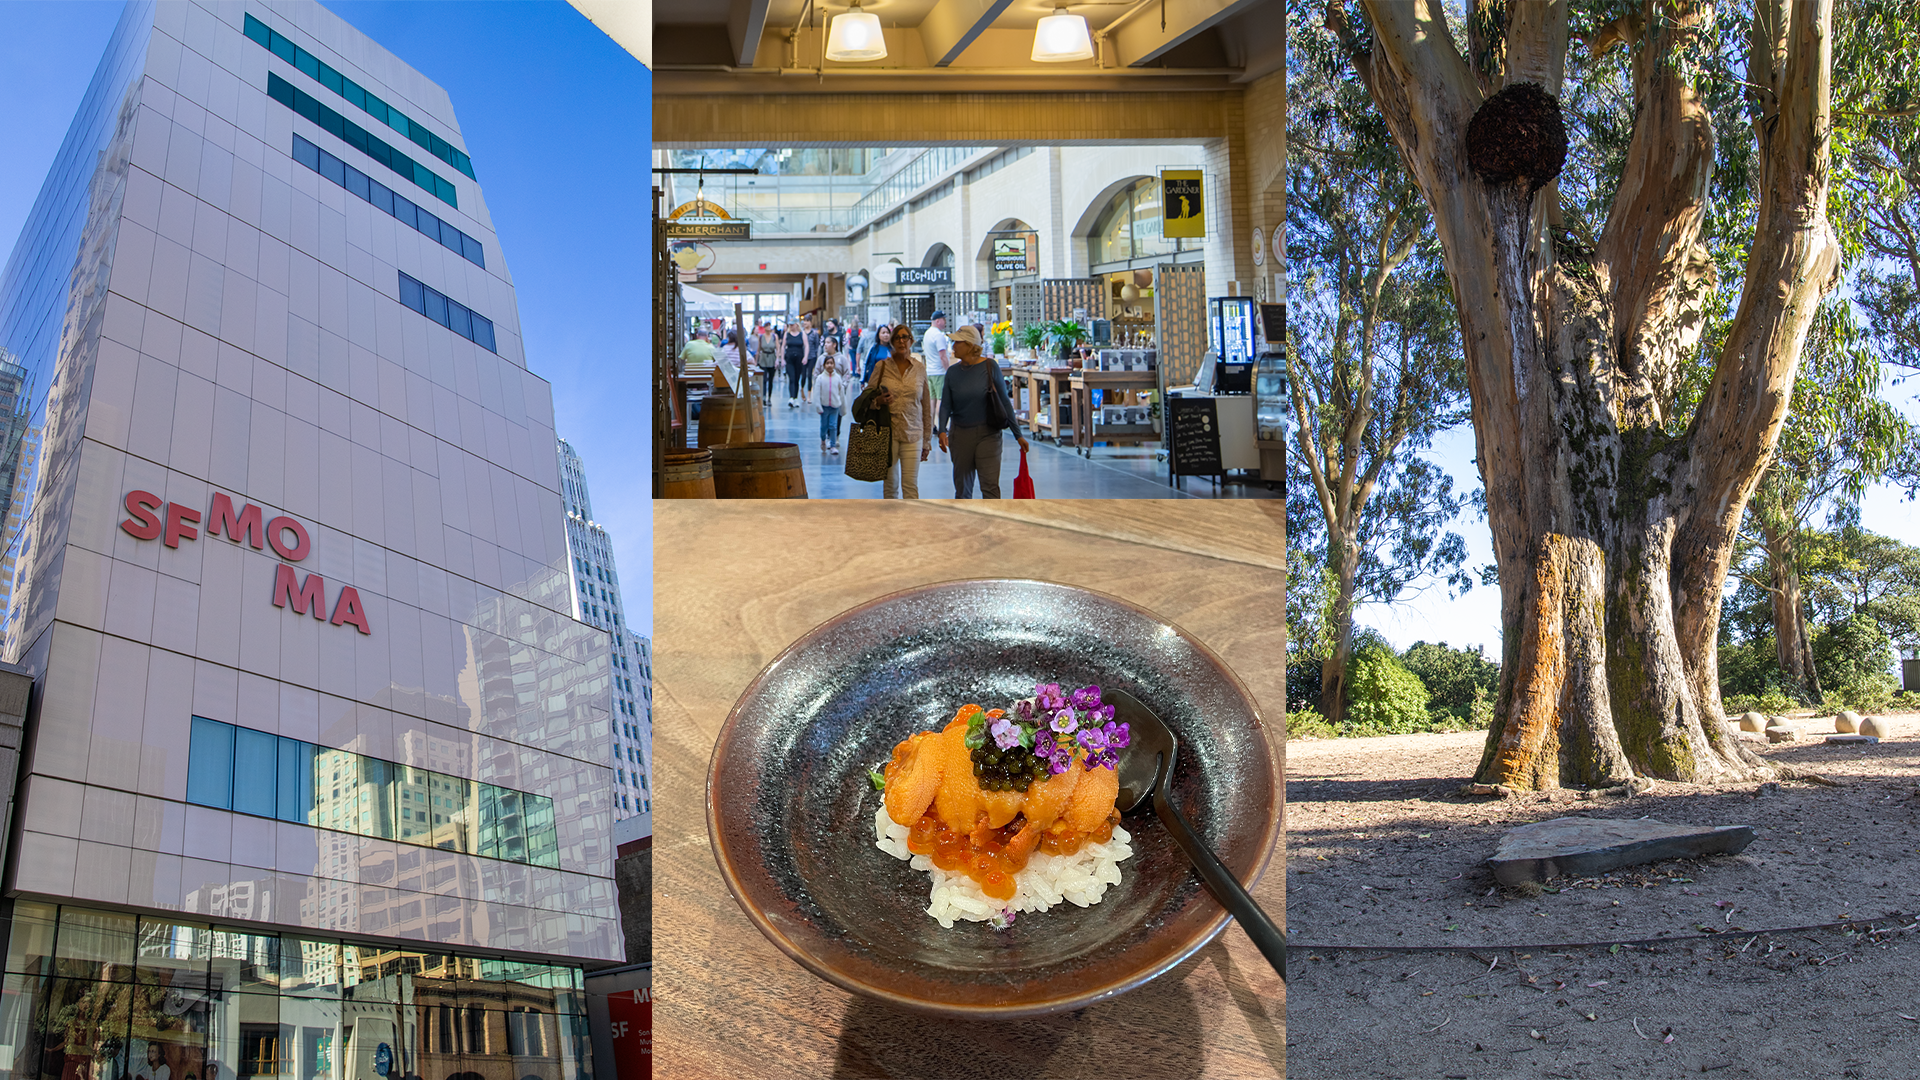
[856,36]
[1062,37]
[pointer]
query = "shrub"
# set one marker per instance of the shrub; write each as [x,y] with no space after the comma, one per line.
[1452,676]
[1854,657]
[1307,724]
[1303,684]
[1383,695]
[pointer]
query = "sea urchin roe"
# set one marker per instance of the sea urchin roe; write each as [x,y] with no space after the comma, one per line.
[985,814]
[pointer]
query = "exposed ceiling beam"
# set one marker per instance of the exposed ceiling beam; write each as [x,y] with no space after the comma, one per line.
[746,22]
[1140,40]
[953,24]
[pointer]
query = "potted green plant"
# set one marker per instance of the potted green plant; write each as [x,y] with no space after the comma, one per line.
[1034,337]
[1066,334]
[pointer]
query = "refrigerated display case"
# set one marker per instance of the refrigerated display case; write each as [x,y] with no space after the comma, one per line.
[1271,402]
[1230,328]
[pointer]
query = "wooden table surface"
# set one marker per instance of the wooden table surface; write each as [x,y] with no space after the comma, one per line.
[736,582]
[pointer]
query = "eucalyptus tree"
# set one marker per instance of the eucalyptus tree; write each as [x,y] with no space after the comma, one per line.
[1375,368]
[1617,454]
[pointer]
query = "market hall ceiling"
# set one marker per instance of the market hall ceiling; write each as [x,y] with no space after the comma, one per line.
[777,46]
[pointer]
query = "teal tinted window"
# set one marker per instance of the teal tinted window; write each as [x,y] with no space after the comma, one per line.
[210,764]
[254,772]
[382,196]
[255,765]
[359,138]
[356,95]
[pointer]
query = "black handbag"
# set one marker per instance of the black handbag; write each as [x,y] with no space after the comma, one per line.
[999,411]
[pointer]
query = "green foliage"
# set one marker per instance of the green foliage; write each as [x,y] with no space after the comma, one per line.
[1033,335]
[1065,332]
[1855,658]
[1853,571]
[1384,697]
[1455,678]
[1303,684]
[1771,703]
[1308,724]
[1752,669]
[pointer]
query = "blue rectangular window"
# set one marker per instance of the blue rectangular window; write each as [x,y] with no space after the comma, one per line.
[387,200]
[460,320]
[358,137]
[451,314]
[356,95]
[413,294]
[210,763]
[255,766]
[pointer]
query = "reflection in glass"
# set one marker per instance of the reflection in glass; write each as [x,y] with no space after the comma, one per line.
[253,772]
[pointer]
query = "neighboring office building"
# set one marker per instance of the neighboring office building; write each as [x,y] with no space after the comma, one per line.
[596,600]
[268,352]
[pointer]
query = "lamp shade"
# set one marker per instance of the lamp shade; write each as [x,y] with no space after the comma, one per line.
[856,36]
[1061,37]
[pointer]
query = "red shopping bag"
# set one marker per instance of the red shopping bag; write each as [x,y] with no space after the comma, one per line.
[1023,484]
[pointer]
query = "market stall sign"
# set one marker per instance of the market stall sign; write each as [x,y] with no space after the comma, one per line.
[1010,254]
[928,275]
[1183,204]
[153,518]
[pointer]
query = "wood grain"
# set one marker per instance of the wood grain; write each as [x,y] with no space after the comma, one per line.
[736,583]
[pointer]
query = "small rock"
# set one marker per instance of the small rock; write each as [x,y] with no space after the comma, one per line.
[1782,734]
[1846,721]
[1753,721]
[1768,788]
[1873,726]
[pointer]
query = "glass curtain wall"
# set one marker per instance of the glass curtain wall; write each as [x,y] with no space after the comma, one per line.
[95,995]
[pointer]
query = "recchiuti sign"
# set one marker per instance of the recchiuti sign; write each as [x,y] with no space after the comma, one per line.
[153,518]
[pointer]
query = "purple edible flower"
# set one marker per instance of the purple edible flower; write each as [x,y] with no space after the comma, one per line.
[1064,722]
[1118,735]
[1097,759]
[1005,734]
[1043,745]
[1002,919]
[1087,697]
[1023,709]
[1092,738]
[1050,697]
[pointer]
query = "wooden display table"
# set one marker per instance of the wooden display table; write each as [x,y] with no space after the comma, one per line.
[681,384]
[1086,425]
[1048,411]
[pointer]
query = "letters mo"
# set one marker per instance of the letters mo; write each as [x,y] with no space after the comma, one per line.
[154,519]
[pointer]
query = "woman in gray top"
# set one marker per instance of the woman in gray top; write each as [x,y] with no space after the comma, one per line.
[968,417]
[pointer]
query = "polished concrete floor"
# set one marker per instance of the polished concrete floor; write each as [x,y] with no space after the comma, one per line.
[1113,472]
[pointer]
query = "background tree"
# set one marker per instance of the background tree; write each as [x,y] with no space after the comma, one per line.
[1840,437]
[1375,371]
[1860,573]
[1617,456]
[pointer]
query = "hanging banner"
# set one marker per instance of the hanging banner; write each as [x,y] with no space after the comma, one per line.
[1183,204]
[709,230]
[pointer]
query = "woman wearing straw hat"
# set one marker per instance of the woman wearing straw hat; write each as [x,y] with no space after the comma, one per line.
[972,411]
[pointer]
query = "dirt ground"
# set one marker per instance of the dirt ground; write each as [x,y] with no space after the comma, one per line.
[1383,854]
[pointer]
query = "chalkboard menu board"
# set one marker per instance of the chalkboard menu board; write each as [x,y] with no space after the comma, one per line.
[1193,437]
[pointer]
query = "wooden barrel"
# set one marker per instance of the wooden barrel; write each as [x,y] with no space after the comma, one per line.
[687,474]
[727,419]
[767,470]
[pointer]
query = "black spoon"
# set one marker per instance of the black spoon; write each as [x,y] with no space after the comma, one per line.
[1146,769]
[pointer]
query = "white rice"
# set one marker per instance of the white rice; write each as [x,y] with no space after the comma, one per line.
[1081,878]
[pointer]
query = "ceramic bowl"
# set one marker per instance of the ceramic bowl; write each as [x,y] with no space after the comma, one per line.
[790,808]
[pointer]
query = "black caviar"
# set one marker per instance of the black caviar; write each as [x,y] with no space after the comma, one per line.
[1007,770]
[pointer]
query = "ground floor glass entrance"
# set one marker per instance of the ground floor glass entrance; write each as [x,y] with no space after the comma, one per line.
[98,995]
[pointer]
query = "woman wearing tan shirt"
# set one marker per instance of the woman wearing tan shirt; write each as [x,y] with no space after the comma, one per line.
[903,391]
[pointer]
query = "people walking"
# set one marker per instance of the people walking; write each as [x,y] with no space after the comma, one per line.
[768,358]
[832,393]
[902,383]
[973,411]
[881,350]
[937,348]
[796,347]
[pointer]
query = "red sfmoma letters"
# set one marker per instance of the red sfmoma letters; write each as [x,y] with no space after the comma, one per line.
[153,518]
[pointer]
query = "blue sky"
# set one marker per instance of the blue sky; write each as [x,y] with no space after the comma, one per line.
[1474,618]
[558,120]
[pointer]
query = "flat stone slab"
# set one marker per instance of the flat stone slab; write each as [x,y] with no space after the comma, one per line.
[1854,738]
[1586,846]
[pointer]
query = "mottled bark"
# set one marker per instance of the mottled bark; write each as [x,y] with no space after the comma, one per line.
[1793,645]
[1611,535]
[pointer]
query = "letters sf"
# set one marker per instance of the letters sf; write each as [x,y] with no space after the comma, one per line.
[155,519]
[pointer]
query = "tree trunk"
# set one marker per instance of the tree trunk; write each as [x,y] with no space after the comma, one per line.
[1612,533]
[1343,552]
[1793,645]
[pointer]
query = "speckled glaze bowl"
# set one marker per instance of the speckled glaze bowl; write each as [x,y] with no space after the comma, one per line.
[790,809]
